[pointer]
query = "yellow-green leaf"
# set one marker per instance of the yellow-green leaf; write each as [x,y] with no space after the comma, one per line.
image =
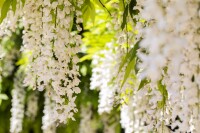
[3,97]
[128,71]
[143,83]
[5,9]
[14,4]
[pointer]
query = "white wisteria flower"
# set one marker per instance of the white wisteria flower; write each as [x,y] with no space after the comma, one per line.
[54,46]
[18,103]
[32,105]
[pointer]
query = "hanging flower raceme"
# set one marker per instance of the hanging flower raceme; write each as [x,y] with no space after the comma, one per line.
[32,105]
[169,55]
[18,103]
[2,52]
[103,76]
[12,19]
[8,61]
[49,36]
[87,124]
[48,123]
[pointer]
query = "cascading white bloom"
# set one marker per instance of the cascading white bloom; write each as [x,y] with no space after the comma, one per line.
[32,105]
[12,20]
[48,123]
[2,52]
[172,55]
[7,63]
[54,47]
[87,125]
[127,118]
[133,108]
[188,79]
[103,74]
[32,38]
[18,105]
[49,37]
[110,123]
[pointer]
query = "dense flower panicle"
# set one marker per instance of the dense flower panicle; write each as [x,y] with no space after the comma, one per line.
[132,115]
[54,47]
[87,125]
[48,122]
[172,49]
[32,105]
[127,118]
[126,95]
[132,108]
[109,127]
[103,74]
[189,69]
[32,38]
[12,20]
[18,104]
[2,52]
[167,48]
[7,63]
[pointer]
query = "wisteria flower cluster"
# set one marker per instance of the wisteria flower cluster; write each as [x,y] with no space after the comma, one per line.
[151,69]
[18,105]
[53,44]
[168,94]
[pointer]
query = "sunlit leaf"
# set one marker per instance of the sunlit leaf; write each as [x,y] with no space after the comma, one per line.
[3,97]
[14,4]
[143,83]
[101,5]
[86,57]
[125,14]
[164,93]
[23,2]
[128,71]
[88,10]
[129,56]
[121,5]
[5,9]
[1,3]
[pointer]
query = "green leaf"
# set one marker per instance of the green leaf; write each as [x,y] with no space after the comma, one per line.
[54,16]
[134,52]
[132,4]
[3,97]
[160,104]
[88,10]
[129,69]
[5,9]
[131,10]
[121,5]
[129,56]
[23,2]
[1,3]
[86,57]
[14,4]
[163,91]
[162,88]
[101,5]
[143,83]
[124,60]
[125,14]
